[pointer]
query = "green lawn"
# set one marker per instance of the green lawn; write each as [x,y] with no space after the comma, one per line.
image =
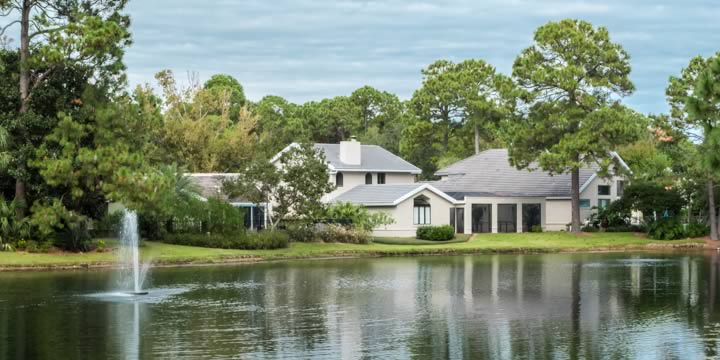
[160,253]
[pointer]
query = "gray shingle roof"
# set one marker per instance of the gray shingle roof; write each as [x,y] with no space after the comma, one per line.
[372,157]
[380,195]
[210,185]
[489,173]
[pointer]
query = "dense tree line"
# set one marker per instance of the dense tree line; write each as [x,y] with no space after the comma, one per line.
[73,138]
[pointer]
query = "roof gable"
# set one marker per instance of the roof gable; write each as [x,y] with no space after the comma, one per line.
[373,158]
[388,195]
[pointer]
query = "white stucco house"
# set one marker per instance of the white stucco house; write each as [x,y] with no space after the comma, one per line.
[480,194]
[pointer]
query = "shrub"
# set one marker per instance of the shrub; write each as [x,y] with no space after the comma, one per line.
[666,230]
[626,228]
[301,233]
[33,246]
[696,229]
[589,228]
[101,245]
[435,233]
[75,237]
[336,233]
[357,216]
[108,225]
[536,229]
[266,239]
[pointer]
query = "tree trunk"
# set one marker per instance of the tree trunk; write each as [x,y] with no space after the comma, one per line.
[711,210]
[575,199]
[477,139]
[20,200]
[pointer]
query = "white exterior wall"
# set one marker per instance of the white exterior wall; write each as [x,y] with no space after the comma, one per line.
[591,193]
[559,213]
[403,215]
[494,201]
[353,179]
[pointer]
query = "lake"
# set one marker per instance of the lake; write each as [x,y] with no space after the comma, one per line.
[605,305]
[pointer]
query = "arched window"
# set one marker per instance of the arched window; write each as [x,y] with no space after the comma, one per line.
[368,179]
[339,179]
[421,210]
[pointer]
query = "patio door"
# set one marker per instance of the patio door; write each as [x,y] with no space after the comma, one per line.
[481,218]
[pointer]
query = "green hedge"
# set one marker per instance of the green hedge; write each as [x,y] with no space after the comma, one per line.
[261,240]
[435,233]
[338,233]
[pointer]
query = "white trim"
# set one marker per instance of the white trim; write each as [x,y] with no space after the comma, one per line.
[553,198]
[587,182]
[425,187]
[284,150]
[414,172]
[621,161]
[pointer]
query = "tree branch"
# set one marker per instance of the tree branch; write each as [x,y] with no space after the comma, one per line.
[45,31]
[4,28]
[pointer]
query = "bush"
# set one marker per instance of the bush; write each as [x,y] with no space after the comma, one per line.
[696,229]
[435,233]
[109,225]
[357,216]
[626,228]
[266,239]
[536,229]
[666,230]
[301,233]
[33,246]
[336,233]
[589,228]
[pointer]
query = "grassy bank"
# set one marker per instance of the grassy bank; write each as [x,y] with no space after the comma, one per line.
[166,254]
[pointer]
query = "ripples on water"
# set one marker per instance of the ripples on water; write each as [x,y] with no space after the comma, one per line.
[495,306]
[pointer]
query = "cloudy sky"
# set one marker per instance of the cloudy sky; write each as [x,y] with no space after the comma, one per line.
[310,49]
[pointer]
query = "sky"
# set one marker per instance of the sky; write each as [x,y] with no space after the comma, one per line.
[307,50]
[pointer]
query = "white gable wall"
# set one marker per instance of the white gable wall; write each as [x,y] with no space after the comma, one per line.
[403,215]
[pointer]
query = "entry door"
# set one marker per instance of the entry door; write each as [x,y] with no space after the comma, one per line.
[481,218]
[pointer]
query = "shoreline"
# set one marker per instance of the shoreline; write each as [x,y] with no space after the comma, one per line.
[363,253]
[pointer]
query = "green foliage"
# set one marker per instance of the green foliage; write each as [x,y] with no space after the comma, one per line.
[12,229]
[536,229]
[337,233]
[262,240]
[223,218]
[291,183]
[357,216]
[301,232]
[590,229]
[652,199]
[666,229]
[615,214]
[435,233]
[226,86]
[109,225]
[570,79]
[627,228]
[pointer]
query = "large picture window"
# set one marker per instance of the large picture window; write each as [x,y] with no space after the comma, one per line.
[421,211]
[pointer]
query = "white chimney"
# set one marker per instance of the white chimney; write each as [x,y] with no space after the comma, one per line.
[350,152]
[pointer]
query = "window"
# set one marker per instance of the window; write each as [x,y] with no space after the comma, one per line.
[339,180]
[368,179]
[620,187]
[584,203]
[531,216]
[481,215]
[603,189]
[381,178]
[421,211]
[603,203]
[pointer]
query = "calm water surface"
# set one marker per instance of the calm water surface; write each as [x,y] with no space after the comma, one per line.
[495,306]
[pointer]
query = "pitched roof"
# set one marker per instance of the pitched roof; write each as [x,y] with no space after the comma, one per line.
[386,195]
[373,158]
[489,173]
[210,185]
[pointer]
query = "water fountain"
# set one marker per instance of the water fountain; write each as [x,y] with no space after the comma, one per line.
[130,256]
